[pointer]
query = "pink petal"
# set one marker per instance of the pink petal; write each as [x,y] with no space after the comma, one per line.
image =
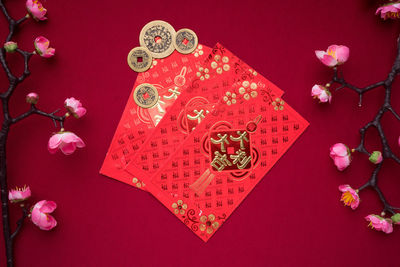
[68,148]
[55,141]
[316,90]
[320,54]
[342,162]
[342,53]
[339,149]
[329,61]
[344,187]
[48,207]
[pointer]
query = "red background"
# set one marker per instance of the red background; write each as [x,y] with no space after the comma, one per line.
[293,217]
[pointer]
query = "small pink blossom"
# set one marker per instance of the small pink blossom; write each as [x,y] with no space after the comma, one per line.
[32,98]
[376,157]
[322,93]
[380,224]
[67,142]
[389,11]
[10,46]
[341,156]
[350,196]
[41,217]
[36,9]
[42,47]
[74,107]
[19,194]
[334,55]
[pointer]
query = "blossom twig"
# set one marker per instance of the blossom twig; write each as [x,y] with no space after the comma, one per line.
[20,222]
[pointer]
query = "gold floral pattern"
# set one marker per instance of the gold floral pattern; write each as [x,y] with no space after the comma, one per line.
[230,98]
[199,51]
[137,182]
[278,104]
[179,207]
[203,73]
[248,90]
[208,224]
[220,64]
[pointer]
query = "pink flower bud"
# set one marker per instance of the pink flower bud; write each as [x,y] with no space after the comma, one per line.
[42,47]
[334,55]
[376,157]
[74,107]
[10,47]
[396,218]
[36,9]
[19,194]
[41,217]
[380,224]
[322,93]
[341,156]
[32,98]
[67,142]
[389,11]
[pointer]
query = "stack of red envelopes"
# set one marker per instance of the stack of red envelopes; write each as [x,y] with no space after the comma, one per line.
[217,129]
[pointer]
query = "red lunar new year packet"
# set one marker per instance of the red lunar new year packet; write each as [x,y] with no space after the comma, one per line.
[170,76]
[207,154]
[213,80]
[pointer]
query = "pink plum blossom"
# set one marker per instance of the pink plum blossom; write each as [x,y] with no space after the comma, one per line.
[67,142]
[334,55]
[389,11]
[350,196]
[380,224]
[10,46]
[322,93]
[32,98]
[19,194]
[41,217]
[376,157]
[341,156]
[42,47]
[74,107]
[36,9]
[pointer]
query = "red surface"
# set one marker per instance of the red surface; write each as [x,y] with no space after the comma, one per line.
[293,217]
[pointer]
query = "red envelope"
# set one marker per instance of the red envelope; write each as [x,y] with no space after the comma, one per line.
[215,77]
[171,76]
[207,175]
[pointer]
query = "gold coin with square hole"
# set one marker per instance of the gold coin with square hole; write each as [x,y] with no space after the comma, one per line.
[185,41]
[145,95]
[157,37]
[139,59]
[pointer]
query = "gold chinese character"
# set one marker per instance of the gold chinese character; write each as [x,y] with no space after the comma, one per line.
[199,115]
[174,93]
[222,141]
[242,137]
[220,161]
[240,159]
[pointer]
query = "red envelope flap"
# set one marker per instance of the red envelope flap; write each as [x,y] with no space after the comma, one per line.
[220,162]
[170,76]
[220,72]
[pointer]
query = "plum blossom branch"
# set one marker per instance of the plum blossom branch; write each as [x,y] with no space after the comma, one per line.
[64,141]
[340,153]
[34,110]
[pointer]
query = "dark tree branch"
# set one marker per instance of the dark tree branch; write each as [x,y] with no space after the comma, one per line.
[8,121]
[376,123]
[35,110]
[20,222]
